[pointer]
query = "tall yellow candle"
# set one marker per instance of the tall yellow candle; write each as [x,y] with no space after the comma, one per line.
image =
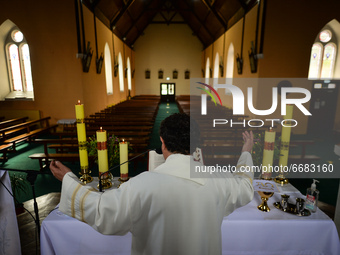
[81,134]
[285,136]
[123,152]
[103,162]
[268,153]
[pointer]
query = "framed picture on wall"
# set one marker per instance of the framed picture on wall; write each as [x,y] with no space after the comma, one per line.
[147,74]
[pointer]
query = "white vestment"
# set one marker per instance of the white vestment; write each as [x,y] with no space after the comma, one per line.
[166,211]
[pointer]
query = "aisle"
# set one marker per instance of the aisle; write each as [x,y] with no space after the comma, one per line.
[165,110]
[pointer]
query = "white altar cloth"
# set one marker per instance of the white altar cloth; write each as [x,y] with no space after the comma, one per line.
[9,232]
[247,231]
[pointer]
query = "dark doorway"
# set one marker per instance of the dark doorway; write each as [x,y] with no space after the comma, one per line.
[322,107]
[168,92]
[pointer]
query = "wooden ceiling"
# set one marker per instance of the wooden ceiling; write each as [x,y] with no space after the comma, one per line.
[208,19]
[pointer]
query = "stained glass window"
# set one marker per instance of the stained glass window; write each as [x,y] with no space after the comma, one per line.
[15,67]
[325,36]
[328,61]
[17,36]
[315,61]
[322,59]
[19,62]
[27,67]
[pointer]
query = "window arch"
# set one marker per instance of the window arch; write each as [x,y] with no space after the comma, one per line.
[328,60]
[18,65]
[323,55]
[120,72]
[207,71]
[128,66]
[108,69]
[315,61]
[216,66]
[230,63]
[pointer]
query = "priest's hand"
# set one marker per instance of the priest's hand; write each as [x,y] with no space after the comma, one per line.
[59,170]
[248,139]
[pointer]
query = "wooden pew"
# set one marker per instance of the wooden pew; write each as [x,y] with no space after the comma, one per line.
[131,120]
[27,131]
[109,128]
[302,158]
[11,122]
[4,149]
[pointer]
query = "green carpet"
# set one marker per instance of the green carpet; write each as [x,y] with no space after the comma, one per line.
[165,110]
[20,160]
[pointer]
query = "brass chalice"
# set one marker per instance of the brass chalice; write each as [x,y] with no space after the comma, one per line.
[264,197]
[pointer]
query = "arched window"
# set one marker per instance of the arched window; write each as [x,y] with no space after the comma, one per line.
[216,66]
[230,62]
[120,72]
[18,65]
[207,71]
[328,60]
[323,56]
[108,69]
[128,66]
[315,61]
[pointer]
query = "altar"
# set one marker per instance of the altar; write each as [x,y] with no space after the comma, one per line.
[247,231]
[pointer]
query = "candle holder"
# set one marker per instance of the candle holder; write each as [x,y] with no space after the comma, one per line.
[122,180]
[105,178]
[85,175]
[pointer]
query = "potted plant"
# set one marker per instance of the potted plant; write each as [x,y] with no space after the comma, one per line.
[112,149]
[19,186]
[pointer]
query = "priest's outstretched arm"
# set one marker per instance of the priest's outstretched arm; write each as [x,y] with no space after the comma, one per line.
[90,206]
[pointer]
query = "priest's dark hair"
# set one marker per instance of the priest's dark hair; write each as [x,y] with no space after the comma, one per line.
[176,131]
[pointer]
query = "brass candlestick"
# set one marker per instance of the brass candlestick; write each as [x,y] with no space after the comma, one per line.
[85,176]
[106,180]
[122,180]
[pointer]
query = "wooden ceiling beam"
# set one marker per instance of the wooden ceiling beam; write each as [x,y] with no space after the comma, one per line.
[121,13]
[95,3]
[138,18]
[243,4]
[197,18]
[217,15]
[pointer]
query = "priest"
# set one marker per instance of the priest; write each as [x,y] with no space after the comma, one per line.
[166,210]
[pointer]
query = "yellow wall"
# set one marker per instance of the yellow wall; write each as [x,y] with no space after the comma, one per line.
[58,79]
[167,48]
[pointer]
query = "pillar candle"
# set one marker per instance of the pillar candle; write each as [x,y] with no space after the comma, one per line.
[103,162]
[268,153]
[123,153]
[81,133]
[285,136]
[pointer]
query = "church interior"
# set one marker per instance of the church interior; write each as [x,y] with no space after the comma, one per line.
[132,63]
